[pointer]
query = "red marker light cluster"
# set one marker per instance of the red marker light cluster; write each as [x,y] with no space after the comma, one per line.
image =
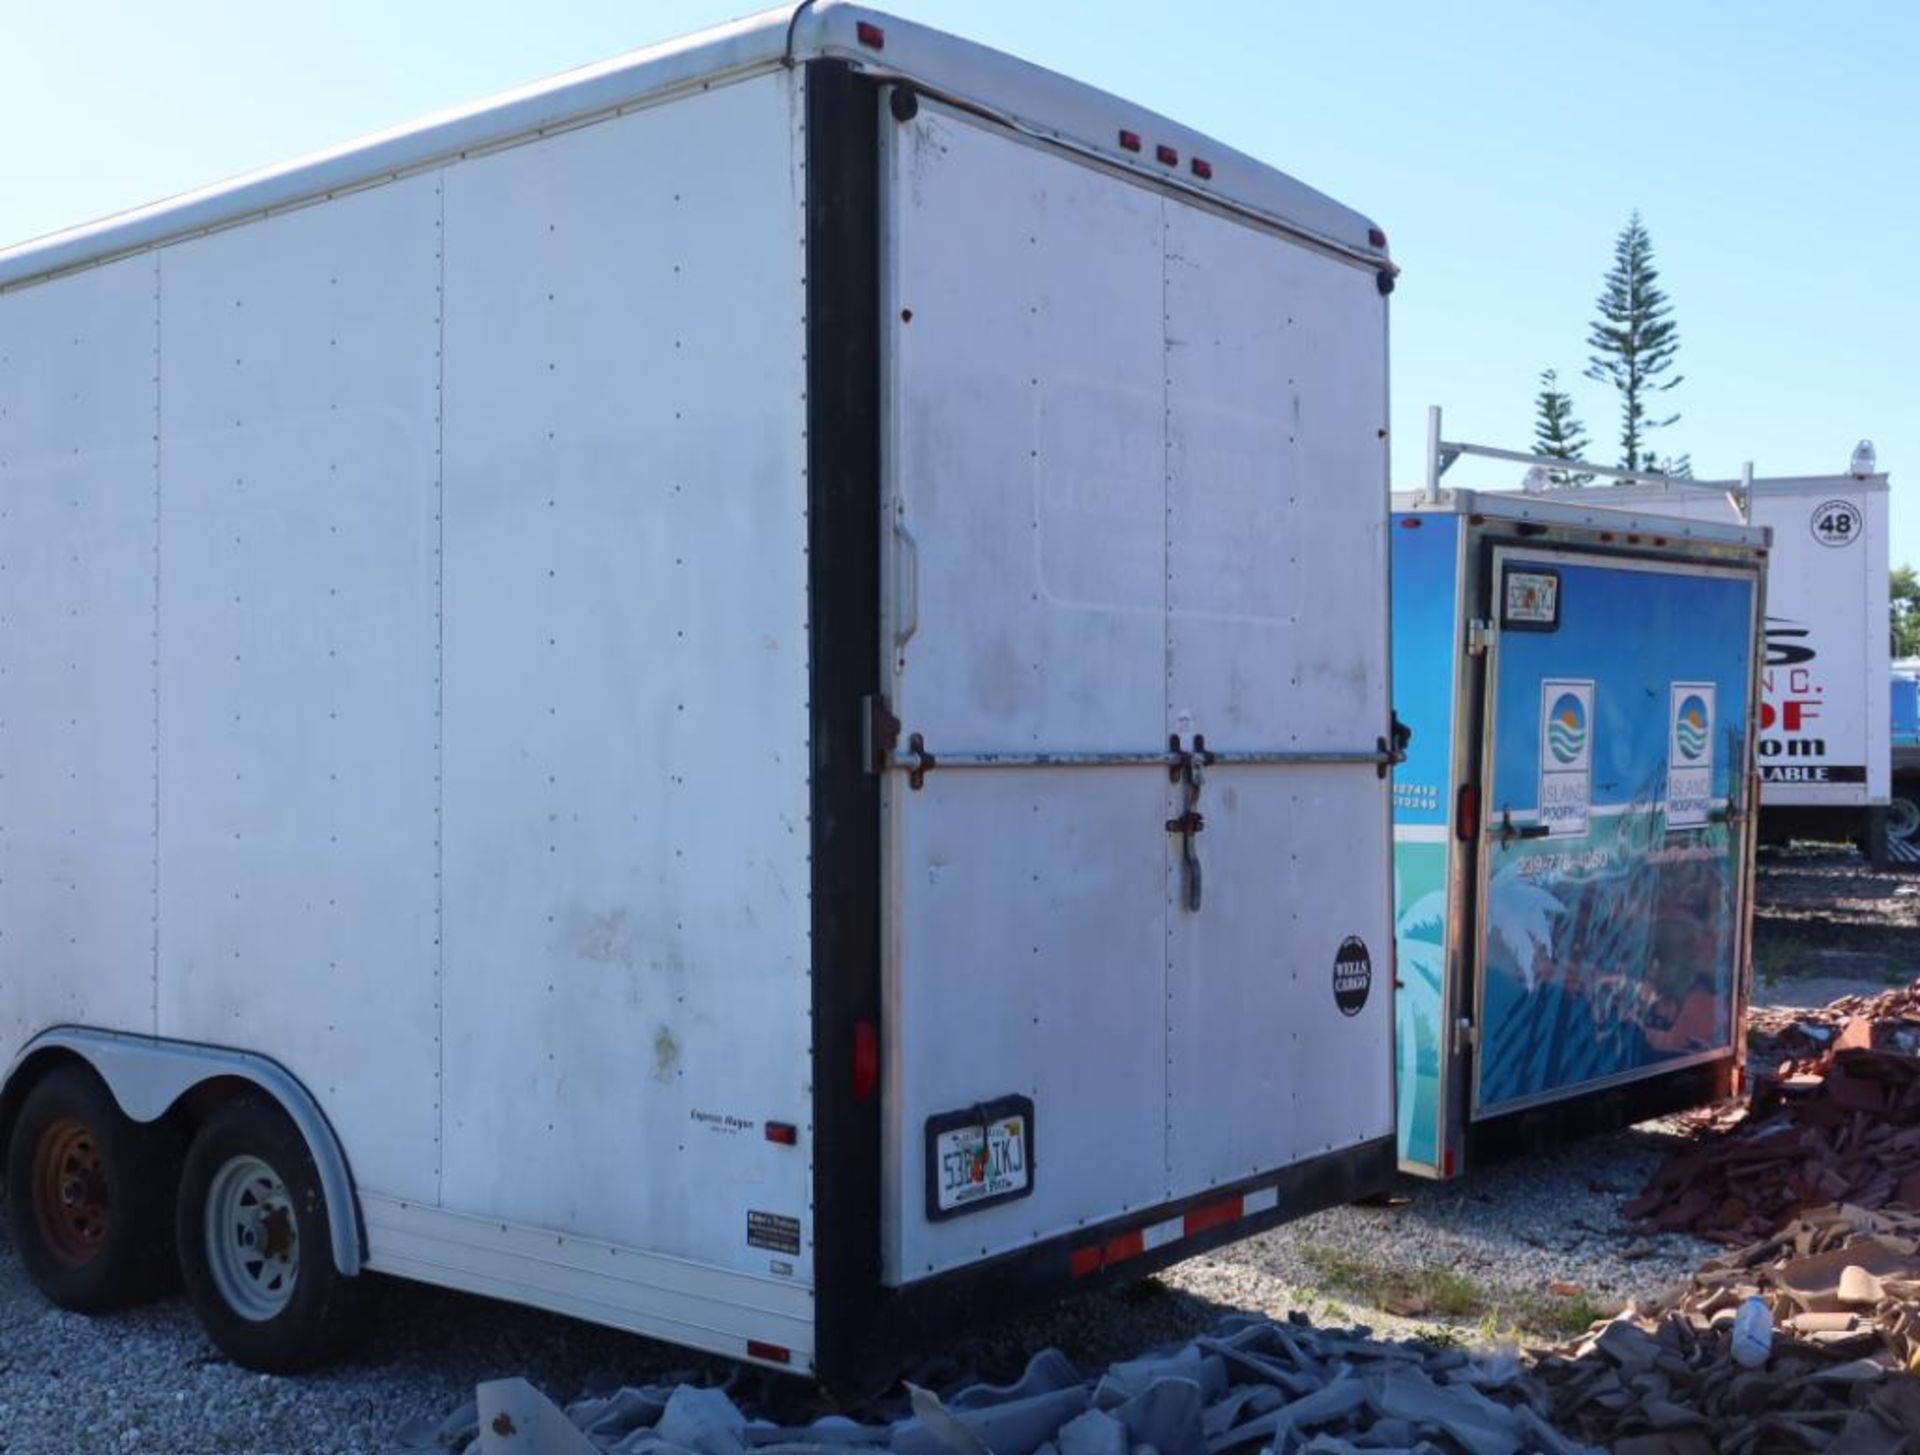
[1165,155]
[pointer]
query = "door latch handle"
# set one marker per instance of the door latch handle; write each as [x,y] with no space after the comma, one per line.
[1508,833]
[1190,769]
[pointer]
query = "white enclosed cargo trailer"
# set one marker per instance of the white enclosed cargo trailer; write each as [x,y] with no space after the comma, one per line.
[743,694]
[1823,744]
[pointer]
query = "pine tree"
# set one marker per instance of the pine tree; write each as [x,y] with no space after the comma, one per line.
[1556,432]
[1634,341]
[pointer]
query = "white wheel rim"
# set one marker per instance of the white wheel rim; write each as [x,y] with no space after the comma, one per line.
[1903,818]
[253,1240]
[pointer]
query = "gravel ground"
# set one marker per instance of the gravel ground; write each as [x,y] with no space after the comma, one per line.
[149,1380]
[1500,1240]
[1490,1248]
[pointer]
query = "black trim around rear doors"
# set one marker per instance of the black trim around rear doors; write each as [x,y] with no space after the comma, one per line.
[843,631]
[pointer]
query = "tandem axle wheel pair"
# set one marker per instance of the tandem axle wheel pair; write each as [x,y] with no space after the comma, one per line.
[107,1212]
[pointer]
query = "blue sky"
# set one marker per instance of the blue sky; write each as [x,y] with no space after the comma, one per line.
[1772,148]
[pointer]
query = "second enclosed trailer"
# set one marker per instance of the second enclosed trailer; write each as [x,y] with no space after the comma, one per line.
[743,695]
[1574,822]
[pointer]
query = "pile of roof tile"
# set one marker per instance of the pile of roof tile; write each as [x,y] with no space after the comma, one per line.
[1834,1117]
[1786,1042]
[1843,1286]
[1253,1386]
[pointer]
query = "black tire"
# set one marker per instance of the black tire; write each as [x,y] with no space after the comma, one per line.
[255,1246]
[90,1195]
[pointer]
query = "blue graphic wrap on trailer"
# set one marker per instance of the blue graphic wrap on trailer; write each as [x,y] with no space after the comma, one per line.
[1426,622]
[1612,874]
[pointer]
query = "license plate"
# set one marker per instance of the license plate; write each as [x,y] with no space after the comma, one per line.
[981,1158]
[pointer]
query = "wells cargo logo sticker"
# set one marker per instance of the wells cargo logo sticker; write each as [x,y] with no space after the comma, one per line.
[1689,755]
[1352,975]
[1566,756]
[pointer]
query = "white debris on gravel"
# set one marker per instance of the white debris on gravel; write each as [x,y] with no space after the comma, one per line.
[148,1379]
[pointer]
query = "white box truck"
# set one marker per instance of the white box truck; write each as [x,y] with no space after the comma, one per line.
[743,695]
[1824,746]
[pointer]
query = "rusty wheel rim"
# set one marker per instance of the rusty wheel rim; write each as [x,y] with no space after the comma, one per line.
[70,1192]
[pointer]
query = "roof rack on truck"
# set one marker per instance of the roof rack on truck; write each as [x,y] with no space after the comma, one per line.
[1825,756]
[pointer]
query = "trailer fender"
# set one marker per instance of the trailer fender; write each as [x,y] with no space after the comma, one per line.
[148,1076]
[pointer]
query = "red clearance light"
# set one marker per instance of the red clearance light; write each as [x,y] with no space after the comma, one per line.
[1466,813]
[1606,535]
[1376,237]
[1633,540]
[1203,169]
[785,1133]
[772,1353]
[1129,141]
[1167,156]
[1410,522]
[871,36]
[866,1059]
[1659,540]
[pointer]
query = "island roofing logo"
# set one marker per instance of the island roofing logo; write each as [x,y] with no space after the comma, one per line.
[1691,726]
[1567,729]
[1690,756]
[1566,756]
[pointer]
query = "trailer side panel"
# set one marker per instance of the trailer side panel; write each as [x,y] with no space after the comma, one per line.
[626,836]
[78,534]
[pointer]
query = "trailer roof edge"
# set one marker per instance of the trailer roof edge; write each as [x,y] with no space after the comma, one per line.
[1506,505]
[1039,101]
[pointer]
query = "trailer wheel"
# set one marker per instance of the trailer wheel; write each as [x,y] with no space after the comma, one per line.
[91,1195]
[1903,814]
[255,1253]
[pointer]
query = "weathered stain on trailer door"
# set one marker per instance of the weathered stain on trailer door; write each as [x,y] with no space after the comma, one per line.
[1107,450]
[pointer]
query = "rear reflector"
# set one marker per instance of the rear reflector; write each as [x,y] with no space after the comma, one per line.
[1167,156]
[871,36]
[1129,141]
[1203,169]
[1082,1262]
[772,1353]
[785,1133]
[866,1059]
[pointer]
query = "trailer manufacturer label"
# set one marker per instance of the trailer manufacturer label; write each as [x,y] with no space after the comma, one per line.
[1566,755]
[1689,754]
[1352,975]
[774,1232]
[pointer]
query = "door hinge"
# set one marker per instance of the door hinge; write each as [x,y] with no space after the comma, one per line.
[1479,636]
[881,730]
[1466,1036]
